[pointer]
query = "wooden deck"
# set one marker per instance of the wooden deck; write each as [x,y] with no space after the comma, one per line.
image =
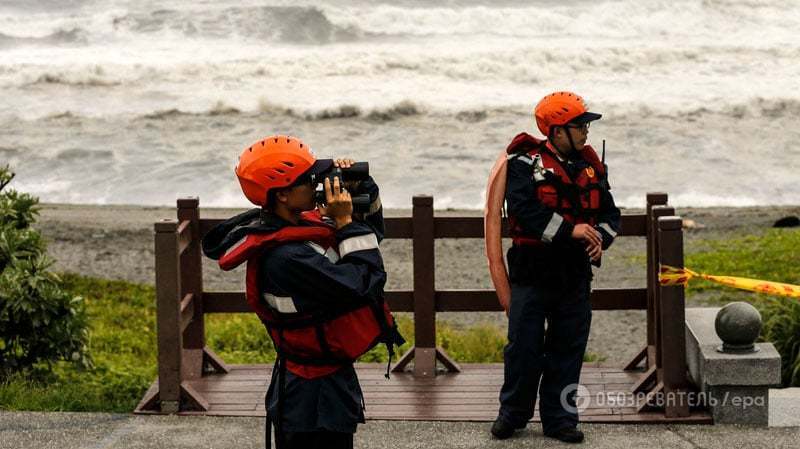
[471,395]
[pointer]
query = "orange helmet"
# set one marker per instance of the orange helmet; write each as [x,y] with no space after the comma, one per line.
[560,108]
[275,162]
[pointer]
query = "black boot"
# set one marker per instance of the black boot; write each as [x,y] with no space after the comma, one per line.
[566,434]
[502,430]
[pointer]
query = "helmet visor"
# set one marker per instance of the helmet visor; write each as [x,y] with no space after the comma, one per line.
[584,118]
[313,174]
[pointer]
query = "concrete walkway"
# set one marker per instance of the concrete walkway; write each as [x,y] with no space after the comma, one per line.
[28,430]
[784,407]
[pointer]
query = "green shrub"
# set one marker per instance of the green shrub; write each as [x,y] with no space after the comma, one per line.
[782,328]
[39,322]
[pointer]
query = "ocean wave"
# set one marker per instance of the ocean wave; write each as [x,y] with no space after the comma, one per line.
[346,111]
[83,155]
[58,37]
[757,107]
[66,115]
[547,19]
[9,152]
[219,109]
[288,24]
[398,110]
[525,65]
[331,21]
[76,80]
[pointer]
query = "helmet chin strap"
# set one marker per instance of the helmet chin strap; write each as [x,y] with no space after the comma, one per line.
[571,142]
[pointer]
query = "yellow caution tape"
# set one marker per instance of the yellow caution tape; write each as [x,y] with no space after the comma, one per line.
[680,276]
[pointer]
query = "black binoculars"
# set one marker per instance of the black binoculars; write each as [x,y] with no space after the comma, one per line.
[359,171]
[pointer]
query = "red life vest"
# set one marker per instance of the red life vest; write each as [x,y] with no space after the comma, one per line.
[576,200]
[313,345]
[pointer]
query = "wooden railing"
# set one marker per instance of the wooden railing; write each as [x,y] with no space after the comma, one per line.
[182,302]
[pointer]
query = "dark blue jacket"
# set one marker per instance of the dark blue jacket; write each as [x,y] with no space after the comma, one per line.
[318,282]
[564,258]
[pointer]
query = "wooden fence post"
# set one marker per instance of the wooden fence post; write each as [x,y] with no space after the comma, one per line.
[673,320]
[424,287]
[657,212]
[649,380]
[648,352]
[168,300]
[192,283]
[653,199]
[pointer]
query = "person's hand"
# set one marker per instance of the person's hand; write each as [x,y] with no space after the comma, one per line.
[588,234]
[595,252]
[346,163]
[339,205]
[343,163]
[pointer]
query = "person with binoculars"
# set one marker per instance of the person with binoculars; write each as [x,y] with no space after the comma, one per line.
[315,278]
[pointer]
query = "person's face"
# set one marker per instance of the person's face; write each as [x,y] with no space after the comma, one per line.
[579,134]
[298,198]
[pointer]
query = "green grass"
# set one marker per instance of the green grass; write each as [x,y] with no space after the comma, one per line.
[773,256]
[123,347]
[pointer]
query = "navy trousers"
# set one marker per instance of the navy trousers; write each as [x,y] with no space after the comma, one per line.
[542,360]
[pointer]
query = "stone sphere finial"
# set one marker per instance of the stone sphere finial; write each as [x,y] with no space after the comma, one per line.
[738,325]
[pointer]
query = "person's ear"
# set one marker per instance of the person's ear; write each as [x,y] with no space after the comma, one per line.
[282,196]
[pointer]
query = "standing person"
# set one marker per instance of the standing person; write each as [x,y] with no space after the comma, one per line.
[562,217]
[315,278]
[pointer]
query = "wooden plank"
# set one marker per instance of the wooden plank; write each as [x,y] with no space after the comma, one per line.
[640,356]
[486,300]
[187,311]
[400,300]
[472,227]
[461,227]
[398,227]
[225,302]
[235,302]
[213,363]
[461,403]
[633,225]
[454,300]
[458,227]
[405,359]
[469,396]
[233,407]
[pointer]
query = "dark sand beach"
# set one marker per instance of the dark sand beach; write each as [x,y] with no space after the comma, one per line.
[116,242]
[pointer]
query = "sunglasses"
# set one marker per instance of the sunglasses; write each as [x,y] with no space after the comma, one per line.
[584,127]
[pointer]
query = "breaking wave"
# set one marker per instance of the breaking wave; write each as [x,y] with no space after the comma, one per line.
[288,24]
[399,110]
[58,37]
